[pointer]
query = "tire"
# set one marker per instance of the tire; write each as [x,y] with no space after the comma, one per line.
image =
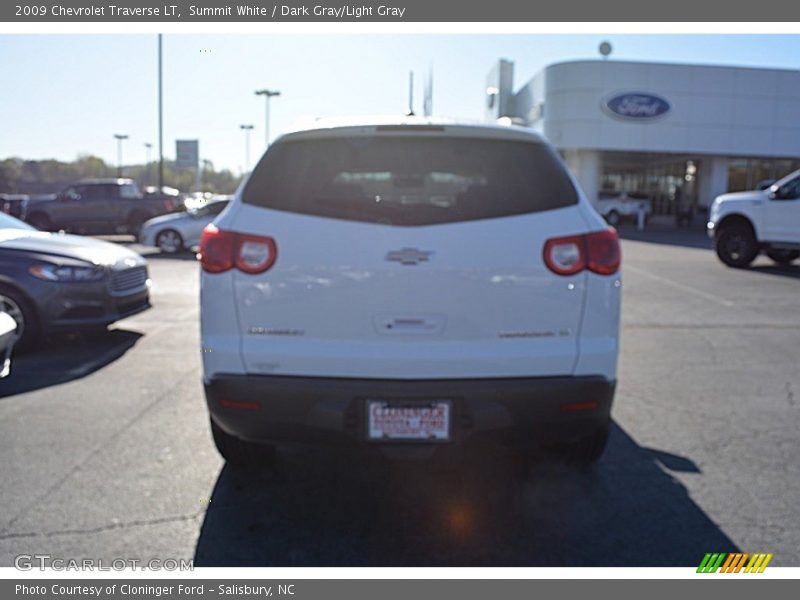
[613,218]
[736,246]
[783,257]
[17,305]
[586,451]
[169,241]
[242,454]
[40,221]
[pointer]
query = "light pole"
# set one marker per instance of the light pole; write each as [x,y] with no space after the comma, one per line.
[119,137]
[160,118]
[267,95]
[247,129]
[147,148]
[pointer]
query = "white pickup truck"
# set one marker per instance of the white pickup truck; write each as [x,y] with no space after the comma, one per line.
[744,224]
[616,206]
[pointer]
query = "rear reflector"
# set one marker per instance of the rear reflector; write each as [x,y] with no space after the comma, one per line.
[239,405]
[222,250]
[597,251]
[579,406]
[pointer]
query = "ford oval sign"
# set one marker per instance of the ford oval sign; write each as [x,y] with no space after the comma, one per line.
[637,106]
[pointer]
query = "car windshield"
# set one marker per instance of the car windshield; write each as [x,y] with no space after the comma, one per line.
[212,208]
[8,222]
[787,179]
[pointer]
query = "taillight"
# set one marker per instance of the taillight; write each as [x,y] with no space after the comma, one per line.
[602,249]
[597,251]
[216,249]
[222,250]
[254,254]
[566,255]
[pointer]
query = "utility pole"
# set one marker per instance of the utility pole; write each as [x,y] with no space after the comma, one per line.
[119,137]
[267,95]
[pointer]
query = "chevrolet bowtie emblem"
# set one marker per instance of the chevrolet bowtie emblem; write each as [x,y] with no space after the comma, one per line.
[409,256]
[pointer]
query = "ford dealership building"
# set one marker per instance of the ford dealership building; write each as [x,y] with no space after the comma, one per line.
[680,134]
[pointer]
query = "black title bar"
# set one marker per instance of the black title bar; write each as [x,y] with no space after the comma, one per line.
[398,11]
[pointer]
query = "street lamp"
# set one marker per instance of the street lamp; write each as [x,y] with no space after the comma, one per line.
[160,117]
[119,137]
[247,129]
[147,148]
[267,95]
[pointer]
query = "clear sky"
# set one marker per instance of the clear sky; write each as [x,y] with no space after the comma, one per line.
[61,96]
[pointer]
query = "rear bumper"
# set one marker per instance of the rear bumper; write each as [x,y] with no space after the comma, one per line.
[287,410]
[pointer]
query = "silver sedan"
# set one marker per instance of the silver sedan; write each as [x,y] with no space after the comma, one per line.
[176,232]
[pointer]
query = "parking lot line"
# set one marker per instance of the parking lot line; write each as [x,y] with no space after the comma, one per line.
[679,286]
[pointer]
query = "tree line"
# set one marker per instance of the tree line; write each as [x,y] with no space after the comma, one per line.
[20,176]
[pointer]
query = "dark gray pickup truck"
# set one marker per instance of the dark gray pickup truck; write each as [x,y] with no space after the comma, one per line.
[98,206]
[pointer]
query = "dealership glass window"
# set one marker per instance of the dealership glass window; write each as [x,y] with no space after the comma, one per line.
[655,176]
[748,173]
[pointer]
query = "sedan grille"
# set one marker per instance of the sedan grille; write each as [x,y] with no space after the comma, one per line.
[128,280]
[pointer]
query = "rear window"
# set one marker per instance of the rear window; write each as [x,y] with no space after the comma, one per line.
[410,180]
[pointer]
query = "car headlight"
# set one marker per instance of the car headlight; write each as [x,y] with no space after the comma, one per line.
[66,273]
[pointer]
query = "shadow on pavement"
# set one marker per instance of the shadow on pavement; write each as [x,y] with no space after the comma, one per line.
[673,462]
[670,236]
[791,271]
[64,359]
[628,511]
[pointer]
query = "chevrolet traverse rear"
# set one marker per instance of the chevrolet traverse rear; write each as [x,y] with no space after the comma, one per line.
[409,287]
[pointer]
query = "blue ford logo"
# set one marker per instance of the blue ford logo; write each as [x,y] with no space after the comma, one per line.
[637,105]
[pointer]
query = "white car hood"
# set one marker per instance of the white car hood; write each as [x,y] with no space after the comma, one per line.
[748,196]
[169,219]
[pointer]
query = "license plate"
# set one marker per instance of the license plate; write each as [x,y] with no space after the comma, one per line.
[428,421]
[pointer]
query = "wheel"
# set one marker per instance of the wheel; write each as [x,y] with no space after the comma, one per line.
[239,453]
[586,451]
[19,308]
[783,257]
[39,220]
[613,218]
[169,241]
[736,245]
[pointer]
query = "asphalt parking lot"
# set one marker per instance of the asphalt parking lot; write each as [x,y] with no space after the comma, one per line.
[107,453]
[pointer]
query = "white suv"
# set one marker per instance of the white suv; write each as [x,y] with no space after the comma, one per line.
[411,288]
[746,223]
